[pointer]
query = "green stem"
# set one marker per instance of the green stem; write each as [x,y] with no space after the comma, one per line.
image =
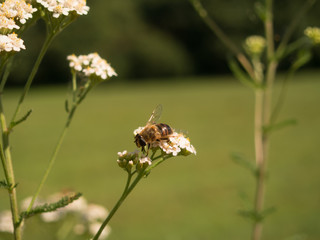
[293,25]
[157,163]
[34,70]
[282,96]
[263,112]
[9,173]
[54,156]
[7,62]
[223,37]
[128,188]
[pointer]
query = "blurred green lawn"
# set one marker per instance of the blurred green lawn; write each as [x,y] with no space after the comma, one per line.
[196,197]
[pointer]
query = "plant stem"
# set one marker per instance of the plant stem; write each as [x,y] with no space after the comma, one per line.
[9,173]
[295,21]
[54,156]
[34,70]
[223,37]
[128,188]
[262,119]
[260,162]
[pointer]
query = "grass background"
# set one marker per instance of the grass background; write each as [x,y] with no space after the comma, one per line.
[195,197]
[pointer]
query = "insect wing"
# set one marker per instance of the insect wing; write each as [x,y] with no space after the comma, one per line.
[156,114]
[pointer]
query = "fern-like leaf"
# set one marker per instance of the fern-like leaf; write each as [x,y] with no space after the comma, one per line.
[49,207]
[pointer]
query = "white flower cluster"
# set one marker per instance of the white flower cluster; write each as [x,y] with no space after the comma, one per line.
[64,7]
[6,222]
[15,9]
[177,144]
[10,43]
[90,216]
[127,160]
[10,12]
[91,65]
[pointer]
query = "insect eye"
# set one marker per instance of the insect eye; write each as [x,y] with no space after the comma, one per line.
[141,142]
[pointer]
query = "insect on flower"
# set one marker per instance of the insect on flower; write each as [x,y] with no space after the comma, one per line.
[153,132]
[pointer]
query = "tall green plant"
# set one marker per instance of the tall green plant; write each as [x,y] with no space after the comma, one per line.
[20,15]
[87,72]
[255,64]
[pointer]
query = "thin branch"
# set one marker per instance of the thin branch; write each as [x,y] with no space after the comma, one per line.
[223,37]
[295,21]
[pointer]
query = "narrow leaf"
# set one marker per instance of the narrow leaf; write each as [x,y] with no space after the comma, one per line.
[49,207]
[251,214]
[255,216]
[24,118]
[3,184]
[66,105]
[303,57]
[244,162]
[268,211]
[280,125]
[260,10]
[241,75]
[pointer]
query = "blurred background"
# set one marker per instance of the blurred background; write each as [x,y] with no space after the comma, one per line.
[148,39]
[163,53]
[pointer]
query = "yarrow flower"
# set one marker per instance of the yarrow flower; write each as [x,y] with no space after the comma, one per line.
[10,43]
[177,144]
[6,221]
[7,23]
[10,12]
[91,65]
[64,7]
[255,44]
[313,33]
[17,9]
[127,160]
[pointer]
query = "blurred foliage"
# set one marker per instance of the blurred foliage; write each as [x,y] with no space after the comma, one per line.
[160,38]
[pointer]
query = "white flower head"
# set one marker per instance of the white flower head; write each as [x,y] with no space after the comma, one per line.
[177,144]
[92,66]
[127,160]
[10,43]
[94,227]
[52,216]
[64,7]
[17,9]
[145,161]
[6,222]
[95,213]
[7,23]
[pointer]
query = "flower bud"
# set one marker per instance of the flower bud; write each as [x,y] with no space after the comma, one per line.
[143,163]
[313,33]
[255,45]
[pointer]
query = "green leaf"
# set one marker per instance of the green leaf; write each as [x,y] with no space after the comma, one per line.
[251,214]
[244,162]
[243,77]
[255,216]
[24,118]
[49,207]
[280,125]
[5,185]
[260,10]
[303,57]
[66,105]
